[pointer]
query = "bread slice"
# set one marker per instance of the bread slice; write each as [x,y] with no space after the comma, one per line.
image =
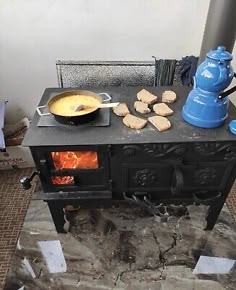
[169,97]
[141,107]
[162,109]
[121,110]
[134,122]
[146,97]
[161,123]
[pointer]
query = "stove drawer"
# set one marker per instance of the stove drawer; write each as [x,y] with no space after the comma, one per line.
[206,175]
[146,177]
[175,178]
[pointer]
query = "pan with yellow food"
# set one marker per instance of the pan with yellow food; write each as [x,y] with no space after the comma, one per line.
[62,106]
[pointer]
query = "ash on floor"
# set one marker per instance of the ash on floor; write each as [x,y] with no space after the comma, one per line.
[123,248]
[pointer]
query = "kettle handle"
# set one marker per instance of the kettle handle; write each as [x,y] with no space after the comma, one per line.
[226,93]
[222,76]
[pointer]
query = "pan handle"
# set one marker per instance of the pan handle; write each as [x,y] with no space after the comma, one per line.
[40,113]
[108,97]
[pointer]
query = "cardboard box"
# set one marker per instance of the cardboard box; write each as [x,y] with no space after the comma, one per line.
[16,156]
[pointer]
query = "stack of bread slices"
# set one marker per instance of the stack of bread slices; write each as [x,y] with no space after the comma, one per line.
[145,99]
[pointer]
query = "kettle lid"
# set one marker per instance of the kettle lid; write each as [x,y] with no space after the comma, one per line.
[220,54]
[232,127]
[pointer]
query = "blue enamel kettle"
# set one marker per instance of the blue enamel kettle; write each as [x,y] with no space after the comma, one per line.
[207,103]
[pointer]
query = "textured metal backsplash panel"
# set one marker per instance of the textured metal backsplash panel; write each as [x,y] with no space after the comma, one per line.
[100,75]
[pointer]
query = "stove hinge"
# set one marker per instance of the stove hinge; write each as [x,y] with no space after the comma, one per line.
[110,184]
[110,150]
[110,153]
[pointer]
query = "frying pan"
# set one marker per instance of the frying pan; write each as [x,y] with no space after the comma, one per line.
[74,120]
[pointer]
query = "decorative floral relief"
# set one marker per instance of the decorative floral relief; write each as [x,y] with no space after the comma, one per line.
[230,153]
[209,149]
[205,176]
[158,150]
[131,150]
[145,177]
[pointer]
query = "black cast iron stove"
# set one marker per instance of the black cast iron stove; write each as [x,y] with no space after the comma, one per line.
[99,165]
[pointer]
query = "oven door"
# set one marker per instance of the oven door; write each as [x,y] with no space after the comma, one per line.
[82,168]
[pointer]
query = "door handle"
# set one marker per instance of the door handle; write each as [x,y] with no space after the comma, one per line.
[26,181]
[177,181]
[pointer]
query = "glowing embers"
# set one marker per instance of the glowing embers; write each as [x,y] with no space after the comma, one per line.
[73,160]
[63,179]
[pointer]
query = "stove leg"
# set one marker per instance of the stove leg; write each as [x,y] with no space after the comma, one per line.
[57,212]
[213,213]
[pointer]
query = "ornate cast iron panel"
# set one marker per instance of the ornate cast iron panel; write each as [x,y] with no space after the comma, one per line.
[145,177]
[215,150]
[205,176]
[165,150]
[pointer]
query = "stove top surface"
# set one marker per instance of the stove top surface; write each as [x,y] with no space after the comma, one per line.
[117,132]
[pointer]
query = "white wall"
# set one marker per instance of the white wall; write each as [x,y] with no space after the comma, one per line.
[34,33]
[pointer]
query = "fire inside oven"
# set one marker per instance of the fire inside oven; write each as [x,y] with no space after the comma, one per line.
[73,160]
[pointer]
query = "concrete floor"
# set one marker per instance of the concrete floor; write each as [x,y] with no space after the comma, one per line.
[122,248]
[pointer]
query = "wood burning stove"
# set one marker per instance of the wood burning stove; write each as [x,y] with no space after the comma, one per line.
[72,168]
[92,165]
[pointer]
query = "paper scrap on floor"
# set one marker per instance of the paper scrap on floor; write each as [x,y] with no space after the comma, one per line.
[18,245]
[29,268]
[53,255]
[213,265]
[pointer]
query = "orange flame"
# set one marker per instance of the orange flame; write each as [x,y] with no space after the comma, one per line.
[73,160]
[63,179]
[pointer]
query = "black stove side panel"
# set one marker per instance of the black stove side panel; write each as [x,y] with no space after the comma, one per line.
[173,170]
[163,170]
